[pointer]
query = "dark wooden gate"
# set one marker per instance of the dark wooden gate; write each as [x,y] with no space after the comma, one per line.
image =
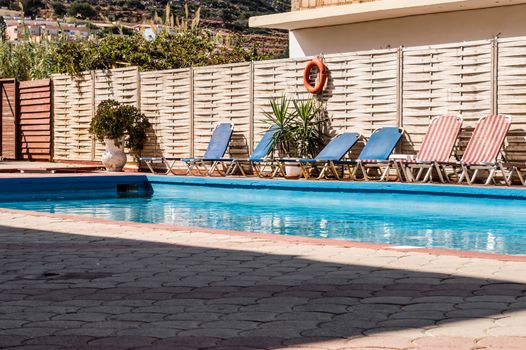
[25,120]
[35,120]
[9,118]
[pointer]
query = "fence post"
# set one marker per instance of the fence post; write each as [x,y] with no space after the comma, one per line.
[494,75]
[139,104]
[400,86]
[251,126]
[192,137]
[93,107]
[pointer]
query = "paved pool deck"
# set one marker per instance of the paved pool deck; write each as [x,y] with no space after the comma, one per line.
[79,283]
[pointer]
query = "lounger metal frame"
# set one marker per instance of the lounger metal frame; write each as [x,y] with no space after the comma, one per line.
[257,161]
[208,166]
[198,164]
[328,167]
[363,166]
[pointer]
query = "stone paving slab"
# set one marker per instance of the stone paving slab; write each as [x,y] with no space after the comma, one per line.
[75,284]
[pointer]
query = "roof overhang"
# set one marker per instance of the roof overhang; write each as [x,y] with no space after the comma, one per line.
[369,11]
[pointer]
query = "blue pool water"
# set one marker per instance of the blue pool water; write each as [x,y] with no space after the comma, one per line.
[494,225]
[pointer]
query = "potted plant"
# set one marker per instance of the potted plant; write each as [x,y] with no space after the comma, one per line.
[300,129]
[119,126]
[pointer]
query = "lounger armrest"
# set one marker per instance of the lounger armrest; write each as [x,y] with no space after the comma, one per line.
[251,160]
[151,159]
[481,164]
[448,163]
[345,162]
[415,162]
[173,158]
[217,159]
[374,161]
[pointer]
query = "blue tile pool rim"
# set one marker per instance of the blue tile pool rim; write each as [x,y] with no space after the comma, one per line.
[346,186]
[12,187]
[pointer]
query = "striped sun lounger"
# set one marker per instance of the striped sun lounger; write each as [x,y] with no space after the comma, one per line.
[437,146]
[483,150]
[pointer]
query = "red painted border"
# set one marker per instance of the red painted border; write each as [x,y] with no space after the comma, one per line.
[276,237]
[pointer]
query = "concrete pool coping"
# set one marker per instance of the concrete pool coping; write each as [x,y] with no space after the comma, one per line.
[450,190]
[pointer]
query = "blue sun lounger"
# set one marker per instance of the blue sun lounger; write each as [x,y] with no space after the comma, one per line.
[259,158]
[333,152]
[376,153]
[214,153]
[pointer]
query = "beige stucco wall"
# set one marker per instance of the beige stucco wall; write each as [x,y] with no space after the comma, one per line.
[432,29]
[309,4]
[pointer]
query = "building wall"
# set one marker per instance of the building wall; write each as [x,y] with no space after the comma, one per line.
[308,4]
[410,31]
[12,33]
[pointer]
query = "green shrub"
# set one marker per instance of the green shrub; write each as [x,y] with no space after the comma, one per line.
[59,9]
[120,122]
[183,44]
[81,9]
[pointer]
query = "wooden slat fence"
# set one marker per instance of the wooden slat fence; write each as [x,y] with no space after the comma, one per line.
[73,103]
[445,79]
[120,84]
[34,130]
[222,94]
[165,100]
[8,121]
[511,97]
[366,90]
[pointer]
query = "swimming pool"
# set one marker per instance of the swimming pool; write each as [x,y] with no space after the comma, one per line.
[471,219]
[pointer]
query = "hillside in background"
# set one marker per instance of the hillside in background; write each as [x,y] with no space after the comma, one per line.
[230,16]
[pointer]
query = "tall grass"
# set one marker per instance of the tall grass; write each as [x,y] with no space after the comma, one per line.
[28,59]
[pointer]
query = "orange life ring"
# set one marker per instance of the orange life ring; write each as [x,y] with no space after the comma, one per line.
[318,88]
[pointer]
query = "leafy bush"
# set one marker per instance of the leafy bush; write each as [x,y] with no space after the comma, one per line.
[81,9]
[30,59]
[181,44]
[120,122]
[59,9]
[30,7]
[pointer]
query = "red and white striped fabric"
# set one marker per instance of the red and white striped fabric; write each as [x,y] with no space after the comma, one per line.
[440,139]
[487,140]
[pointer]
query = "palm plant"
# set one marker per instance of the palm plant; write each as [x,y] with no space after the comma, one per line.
[281,117]
[300,129]
[308,130]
